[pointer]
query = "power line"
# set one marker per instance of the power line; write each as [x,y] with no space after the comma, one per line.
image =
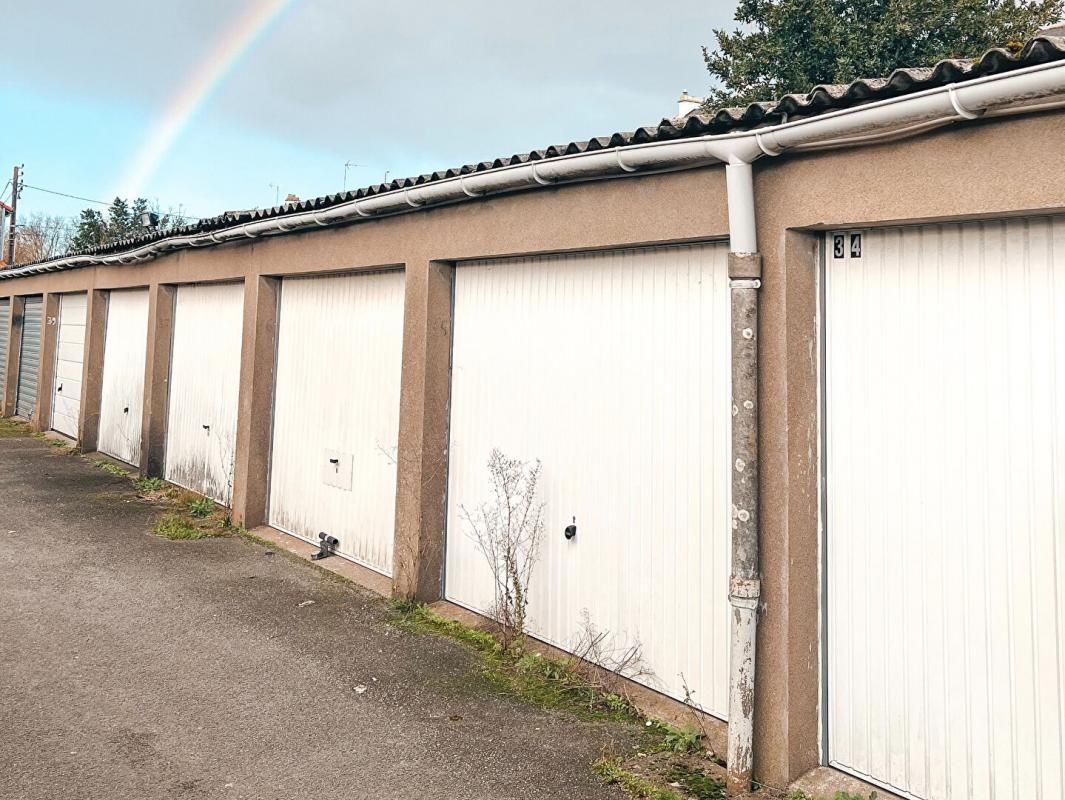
[89,199]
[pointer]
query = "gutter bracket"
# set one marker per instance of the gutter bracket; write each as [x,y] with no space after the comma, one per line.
[624,167]
[409,202]
[769,150]
[962,111]
[465,191]
[536,175]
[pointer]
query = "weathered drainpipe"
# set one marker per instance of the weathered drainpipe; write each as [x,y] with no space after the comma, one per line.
[745,273]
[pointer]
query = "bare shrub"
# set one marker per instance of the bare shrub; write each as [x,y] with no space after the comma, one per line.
[508,530]
[601,662]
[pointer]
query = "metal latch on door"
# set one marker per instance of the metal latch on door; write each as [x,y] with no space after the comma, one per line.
[327,546]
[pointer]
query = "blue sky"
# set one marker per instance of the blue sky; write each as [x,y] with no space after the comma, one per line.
[403,87]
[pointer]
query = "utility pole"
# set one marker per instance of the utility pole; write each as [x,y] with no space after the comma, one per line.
[14,210]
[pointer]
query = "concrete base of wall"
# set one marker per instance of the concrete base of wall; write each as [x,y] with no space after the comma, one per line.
[826,782]
[356,573]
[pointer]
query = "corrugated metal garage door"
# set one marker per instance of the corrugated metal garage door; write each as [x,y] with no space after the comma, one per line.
[69,357]
[30,357]
[336,413]
[5,322]
[122,394]
[945,510]
[201,438]
[613,370]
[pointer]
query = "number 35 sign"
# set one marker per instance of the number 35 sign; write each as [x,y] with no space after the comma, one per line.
[839,245]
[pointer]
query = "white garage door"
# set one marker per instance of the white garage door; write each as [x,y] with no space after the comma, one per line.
[201,433]
[336,412]
[69,357]
[29,364]
[5,323]
[612,369]
[122,393]
[945,517]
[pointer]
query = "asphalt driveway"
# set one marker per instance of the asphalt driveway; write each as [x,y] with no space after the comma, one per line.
[136,667]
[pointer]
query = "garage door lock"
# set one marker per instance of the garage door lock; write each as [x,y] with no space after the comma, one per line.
[571,530]
[328,545]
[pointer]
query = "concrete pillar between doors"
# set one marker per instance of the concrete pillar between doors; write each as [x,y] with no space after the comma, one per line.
[157,379]
[251,472]
[92,369]
[787,741]
[42,413]
[421,485]
[9,392]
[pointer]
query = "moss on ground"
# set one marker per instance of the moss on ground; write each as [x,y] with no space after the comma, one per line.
[610,769]
[112,469]
[546,682]
[11,428]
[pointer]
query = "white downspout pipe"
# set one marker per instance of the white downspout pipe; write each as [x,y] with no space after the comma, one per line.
[745,272]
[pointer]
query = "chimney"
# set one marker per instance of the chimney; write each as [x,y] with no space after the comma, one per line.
[292,198]
[687,103]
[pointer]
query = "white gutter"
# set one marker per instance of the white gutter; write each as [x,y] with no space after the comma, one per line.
[847,127]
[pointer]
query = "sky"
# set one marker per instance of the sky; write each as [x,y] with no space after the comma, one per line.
[213,105]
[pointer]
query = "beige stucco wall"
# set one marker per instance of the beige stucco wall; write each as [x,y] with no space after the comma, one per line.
[990,168]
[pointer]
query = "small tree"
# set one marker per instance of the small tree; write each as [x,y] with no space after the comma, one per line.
[789,46]
[508,530]
[90,231]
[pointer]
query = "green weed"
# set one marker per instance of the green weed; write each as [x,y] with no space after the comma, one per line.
[545,682]
[112,469]
[612,774]
[696,783]
[11,428]
[148,485]
[176,528]
[201,507]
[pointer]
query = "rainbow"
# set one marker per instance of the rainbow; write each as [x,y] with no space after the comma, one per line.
[226,50]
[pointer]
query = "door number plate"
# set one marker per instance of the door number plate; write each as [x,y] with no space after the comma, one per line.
[840,249]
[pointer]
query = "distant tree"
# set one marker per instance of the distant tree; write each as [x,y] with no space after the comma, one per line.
[41,237]
[122,221]
[788,46]
[90,230]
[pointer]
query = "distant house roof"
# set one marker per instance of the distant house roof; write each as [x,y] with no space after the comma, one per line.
[1046,47]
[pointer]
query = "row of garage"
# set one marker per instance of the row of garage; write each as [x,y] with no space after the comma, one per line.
[942,443]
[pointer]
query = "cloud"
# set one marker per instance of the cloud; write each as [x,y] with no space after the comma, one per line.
[408,86]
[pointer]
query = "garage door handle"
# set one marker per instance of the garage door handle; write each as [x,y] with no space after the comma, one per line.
[207,427]
[125,410]
[334,461]
[60,388]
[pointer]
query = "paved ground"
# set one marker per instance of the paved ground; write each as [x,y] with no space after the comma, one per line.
[135,667]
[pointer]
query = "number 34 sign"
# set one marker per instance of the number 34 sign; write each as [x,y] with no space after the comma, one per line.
[839,245]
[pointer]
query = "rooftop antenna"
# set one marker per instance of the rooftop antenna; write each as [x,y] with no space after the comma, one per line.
[349,165]
[277,193]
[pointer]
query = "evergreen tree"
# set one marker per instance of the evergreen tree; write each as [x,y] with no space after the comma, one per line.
[788,46]
[90,230]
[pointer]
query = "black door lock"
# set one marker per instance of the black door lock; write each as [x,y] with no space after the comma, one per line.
[125,410]
[60,389]
[571,530]
[327,547]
